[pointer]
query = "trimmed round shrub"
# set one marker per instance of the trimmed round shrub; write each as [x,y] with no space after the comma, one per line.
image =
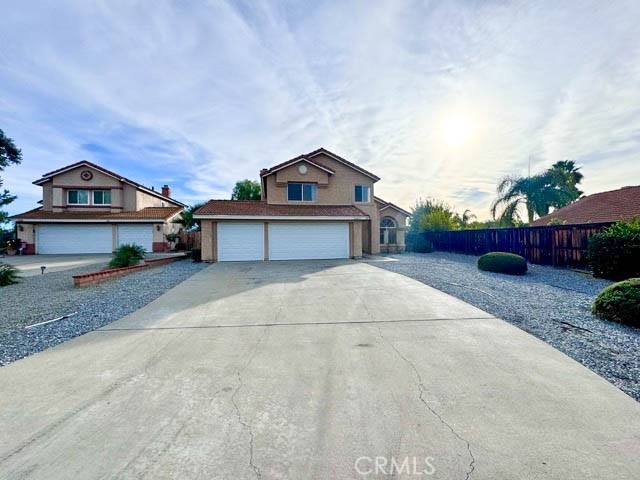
[501,262]
[619,302]
[8,274]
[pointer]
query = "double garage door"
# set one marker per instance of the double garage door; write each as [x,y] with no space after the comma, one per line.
[63,239]
[287,241]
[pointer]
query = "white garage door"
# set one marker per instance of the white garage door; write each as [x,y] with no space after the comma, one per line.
[139,234]
[74,239]
[240,241]
[300,241]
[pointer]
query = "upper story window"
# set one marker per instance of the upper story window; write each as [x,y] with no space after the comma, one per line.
[78,197]
[362,193]
[102,197]
[302,192]
[87,197]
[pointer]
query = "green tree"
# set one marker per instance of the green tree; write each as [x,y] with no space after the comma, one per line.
[466,219]
[556,187]
[9,154]
[246,190]
[186,219]
[432,214]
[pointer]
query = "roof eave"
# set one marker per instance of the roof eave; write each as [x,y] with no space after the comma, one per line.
[281,217]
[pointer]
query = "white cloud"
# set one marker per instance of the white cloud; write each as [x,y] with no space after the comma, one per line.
[202,94]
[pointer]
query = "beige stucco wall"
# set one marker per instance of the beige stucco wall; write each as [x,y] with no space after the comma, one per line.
[208,233]
[28,233]
[124,197]
[340,190]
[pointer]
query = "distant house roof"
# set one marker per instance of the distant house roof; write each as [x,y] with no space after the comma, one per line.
[148,214]
[49,175]
[309,157]
[612,206]
[384,204]
[260,208]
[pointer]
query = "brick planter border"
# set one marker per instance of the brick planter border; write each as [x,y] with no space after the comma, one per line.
[94,278]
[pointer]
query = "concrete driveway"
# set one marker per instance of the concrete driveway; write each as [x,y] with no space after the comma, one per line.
[314,370]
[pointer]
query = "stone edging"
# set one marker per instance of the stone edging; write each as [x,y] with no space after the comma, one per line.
[100,276]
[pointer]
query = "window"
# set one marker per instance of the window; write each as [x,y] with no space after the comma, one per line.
[102,197]
[362,193]
[302,192]
[388,231]
[78,197]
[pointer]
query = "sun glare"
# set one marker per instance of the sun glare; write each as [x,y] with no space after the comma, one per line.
[457,129]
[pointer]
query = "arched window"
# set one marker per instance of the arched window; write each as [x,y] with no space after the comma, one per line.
[388,231]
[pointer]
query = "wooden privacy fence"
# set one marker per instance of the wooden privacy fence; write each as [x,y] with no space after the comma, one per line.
[190,239]
[557,245]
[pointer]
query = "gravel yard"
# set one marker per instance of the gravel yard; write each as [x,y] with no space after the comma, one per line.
[552,304]
[45,297]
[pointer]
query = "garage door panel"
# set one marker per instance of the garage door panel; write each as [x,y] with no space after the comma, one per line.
[139,234]
[68,239]
[302,241]
[240,241]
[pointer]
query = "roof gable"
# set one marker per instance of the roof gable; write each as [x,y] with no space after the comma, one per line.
[311,157]
[85,163]
[384,205]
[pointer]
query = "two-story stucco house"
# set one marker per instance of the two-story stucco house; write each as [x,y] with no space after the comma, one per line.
[89,209]
[314,206]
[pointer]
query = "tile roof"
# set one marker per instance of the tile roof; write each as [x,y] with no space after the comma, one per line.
[612,206]
[148,213]
[260,208]
[309,156]
[52,173]
[392,205]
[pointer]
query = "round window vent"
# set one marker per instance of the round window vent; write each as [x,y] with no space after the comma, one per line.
[302,169]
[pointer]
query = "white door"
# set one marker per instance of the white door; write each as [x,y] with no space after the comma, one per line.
[240,241]
[74,239]
[301,241]
[139,234]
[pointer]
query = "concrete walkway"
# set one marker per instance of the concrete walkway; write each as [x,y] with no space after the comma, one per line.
[29,265]
[311,370]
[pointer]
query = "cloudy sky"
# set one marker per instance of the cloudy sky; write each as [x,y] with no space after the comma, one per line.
[439,98]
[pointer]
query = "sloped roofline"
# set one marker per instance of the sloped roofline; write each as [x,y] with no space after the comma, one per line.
[391,205]
[47,176]
[315,153]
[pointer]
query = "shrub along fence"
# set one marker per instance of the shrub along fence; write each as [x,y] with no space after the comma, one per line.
[191,240]
[557,245]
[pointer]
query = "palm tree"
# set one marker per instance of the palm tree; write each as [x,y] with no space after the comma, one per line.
[465,218]
[186,218]
[553,188]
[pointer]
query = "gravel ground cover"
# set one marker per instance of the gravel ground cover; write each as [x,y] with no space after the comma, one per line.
[552,304]
[45,297]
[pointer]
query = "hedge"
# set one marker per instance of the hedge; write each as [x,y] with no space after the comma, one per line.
[502,262]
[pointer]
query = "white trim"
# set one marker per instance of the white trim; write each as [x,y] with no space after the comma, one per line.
[84,220]
[311,162]
[279,217]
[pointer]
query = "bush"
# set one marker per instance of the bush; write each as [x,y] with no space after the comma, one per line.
[180,246]
[502,262]
[619,302]
[8,274]
[615,253]
[196,255]
[127,256]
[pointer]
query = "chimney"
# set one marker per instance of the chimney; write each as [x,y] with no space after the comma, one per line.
[166,191]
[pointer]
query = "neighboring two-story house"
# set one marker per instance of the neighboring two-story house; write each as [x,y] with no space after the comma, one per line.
[314,206]
[89,209]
